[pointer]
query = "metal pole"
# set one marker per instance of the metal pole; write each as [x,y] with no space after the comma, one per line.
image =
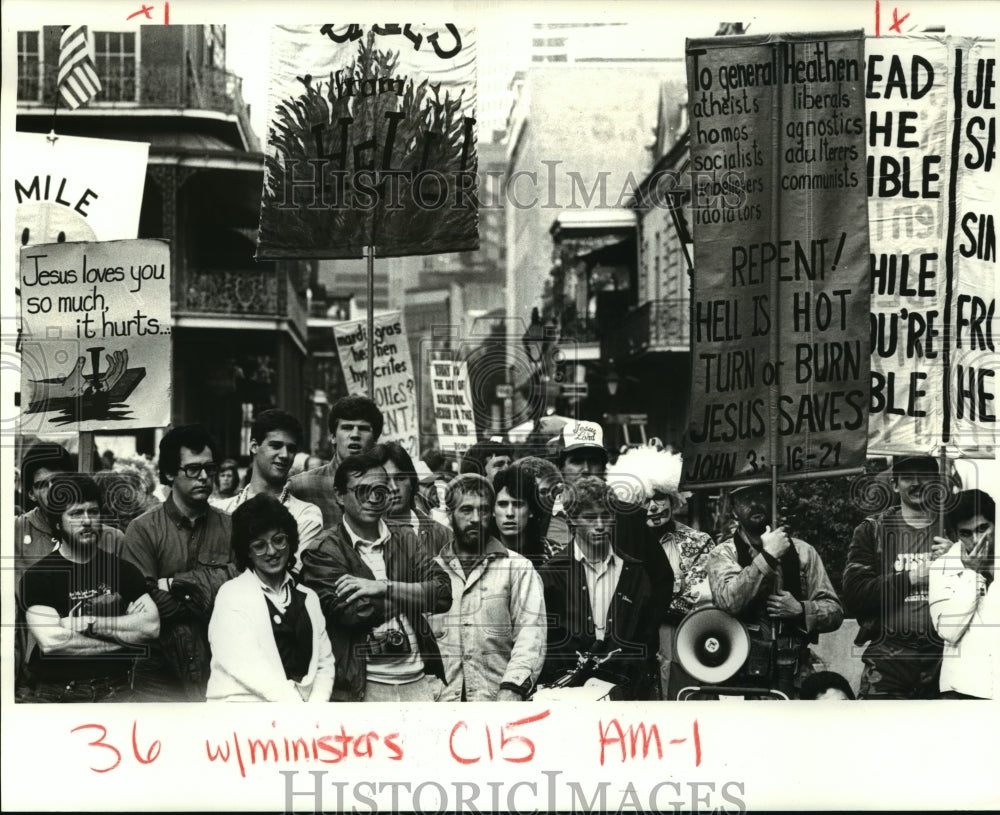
[774,338]
[946,485]
[370,255]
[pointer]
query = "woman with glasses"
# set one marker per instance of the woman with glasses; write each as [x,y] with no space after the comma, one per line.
[267,633]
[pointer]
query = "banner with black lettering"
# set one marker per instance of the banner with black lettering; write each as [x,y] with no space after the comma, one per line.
[932,184]
[371,141]
[394,389]
[780,351]
[96,353]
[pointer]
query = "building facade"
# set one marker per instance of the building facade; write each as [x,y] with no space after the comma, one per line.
[239,326]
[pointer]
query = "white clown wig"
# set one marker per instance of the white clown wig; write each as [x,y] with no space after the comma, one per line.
[642,471]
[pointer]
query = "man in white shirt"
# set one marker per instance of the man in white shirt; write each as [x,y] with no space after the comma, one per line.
[375,585]
[965,602]
[275,437]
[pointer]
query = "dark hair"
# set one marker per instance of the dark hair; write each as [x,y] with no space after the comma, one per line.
[396,453]
[475,458]
[433,458]
[822,681]
[360,407]
[123,496]
[521,484]
[588,491]
[971,503]
[228,464]
[66,489]
[47,456]
[268,421]
[468,482]
[357,466]
[548,482]
[260,514]
[192,436]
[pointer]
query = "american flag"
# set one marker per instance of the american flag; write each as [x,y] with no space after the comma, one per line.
[78,82]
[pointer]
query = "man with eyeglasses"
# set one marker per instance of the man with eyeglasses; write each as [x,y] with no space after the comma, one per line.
[185,541]
[374,585]
[355,425]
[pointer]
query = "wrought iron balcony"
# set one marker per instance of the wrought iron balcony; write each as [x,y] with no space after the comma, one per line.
[655,326]
[249,293]
[151,86]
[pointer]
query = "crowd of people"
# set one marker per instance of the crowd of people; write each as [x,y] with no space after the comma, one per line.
[371,577]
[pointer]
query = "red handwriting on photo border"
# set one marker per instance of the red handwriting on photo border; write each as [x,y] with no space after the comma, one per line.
[629,738]
[145,12]
[897,21]
[152,753]
[506,739]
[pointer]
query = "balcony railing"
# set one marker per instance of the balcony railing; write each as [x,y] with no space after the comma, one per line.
[157,86]
[658,325]
[249,293]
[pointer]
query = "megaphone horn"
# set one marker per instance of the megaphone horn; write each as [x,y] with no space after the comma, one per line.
[711,645]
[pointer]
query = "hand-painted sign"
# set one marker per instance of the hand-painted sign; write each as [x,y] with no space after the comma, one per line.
[371,142]
[780,299]
[96,351]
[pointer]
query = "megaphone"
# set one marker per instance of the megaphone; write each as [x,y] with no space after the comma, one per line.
[711,645]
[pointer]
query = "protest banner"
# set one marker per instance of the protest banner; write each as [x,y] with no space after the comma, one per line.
[456,425]
[371,141]
[780,297]
[68,188]
[394,383]
[931,186]
[96,353]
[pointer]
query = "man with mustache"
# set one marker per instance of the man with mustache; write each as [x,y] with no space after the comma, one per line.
[778,588]
[275,437]
[492,640]
[886,587]
[88,611]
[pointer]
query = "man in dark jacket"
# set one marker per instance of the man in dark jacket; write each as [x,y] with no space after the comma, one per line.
[598,599]
[886,583]
[374,585]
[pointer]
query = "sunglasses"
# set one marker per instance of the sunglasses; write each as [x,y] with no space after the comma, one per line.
[195,470]
[278,542]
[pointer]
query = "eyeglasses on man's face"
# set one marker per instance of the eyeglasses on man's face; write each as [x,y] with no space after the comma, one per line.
[372,494]
[278,542]
[195,470]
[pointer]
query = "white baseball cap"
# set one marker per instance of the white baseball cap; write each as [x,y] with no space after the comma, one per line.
[580,435]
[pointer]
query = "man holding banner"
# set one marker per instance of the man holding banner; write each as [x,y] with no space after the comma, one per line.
[778,587]
[886,587]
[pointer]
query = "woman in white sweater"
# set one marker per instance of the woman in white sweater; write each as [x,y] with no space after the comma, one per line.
[965,601]
[267,632]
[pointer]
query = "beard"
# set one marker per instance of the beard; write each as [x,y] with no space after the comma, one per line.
[472,538]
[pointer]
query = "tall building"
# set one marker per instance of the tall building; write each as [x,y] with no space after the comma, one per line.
[239,326]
